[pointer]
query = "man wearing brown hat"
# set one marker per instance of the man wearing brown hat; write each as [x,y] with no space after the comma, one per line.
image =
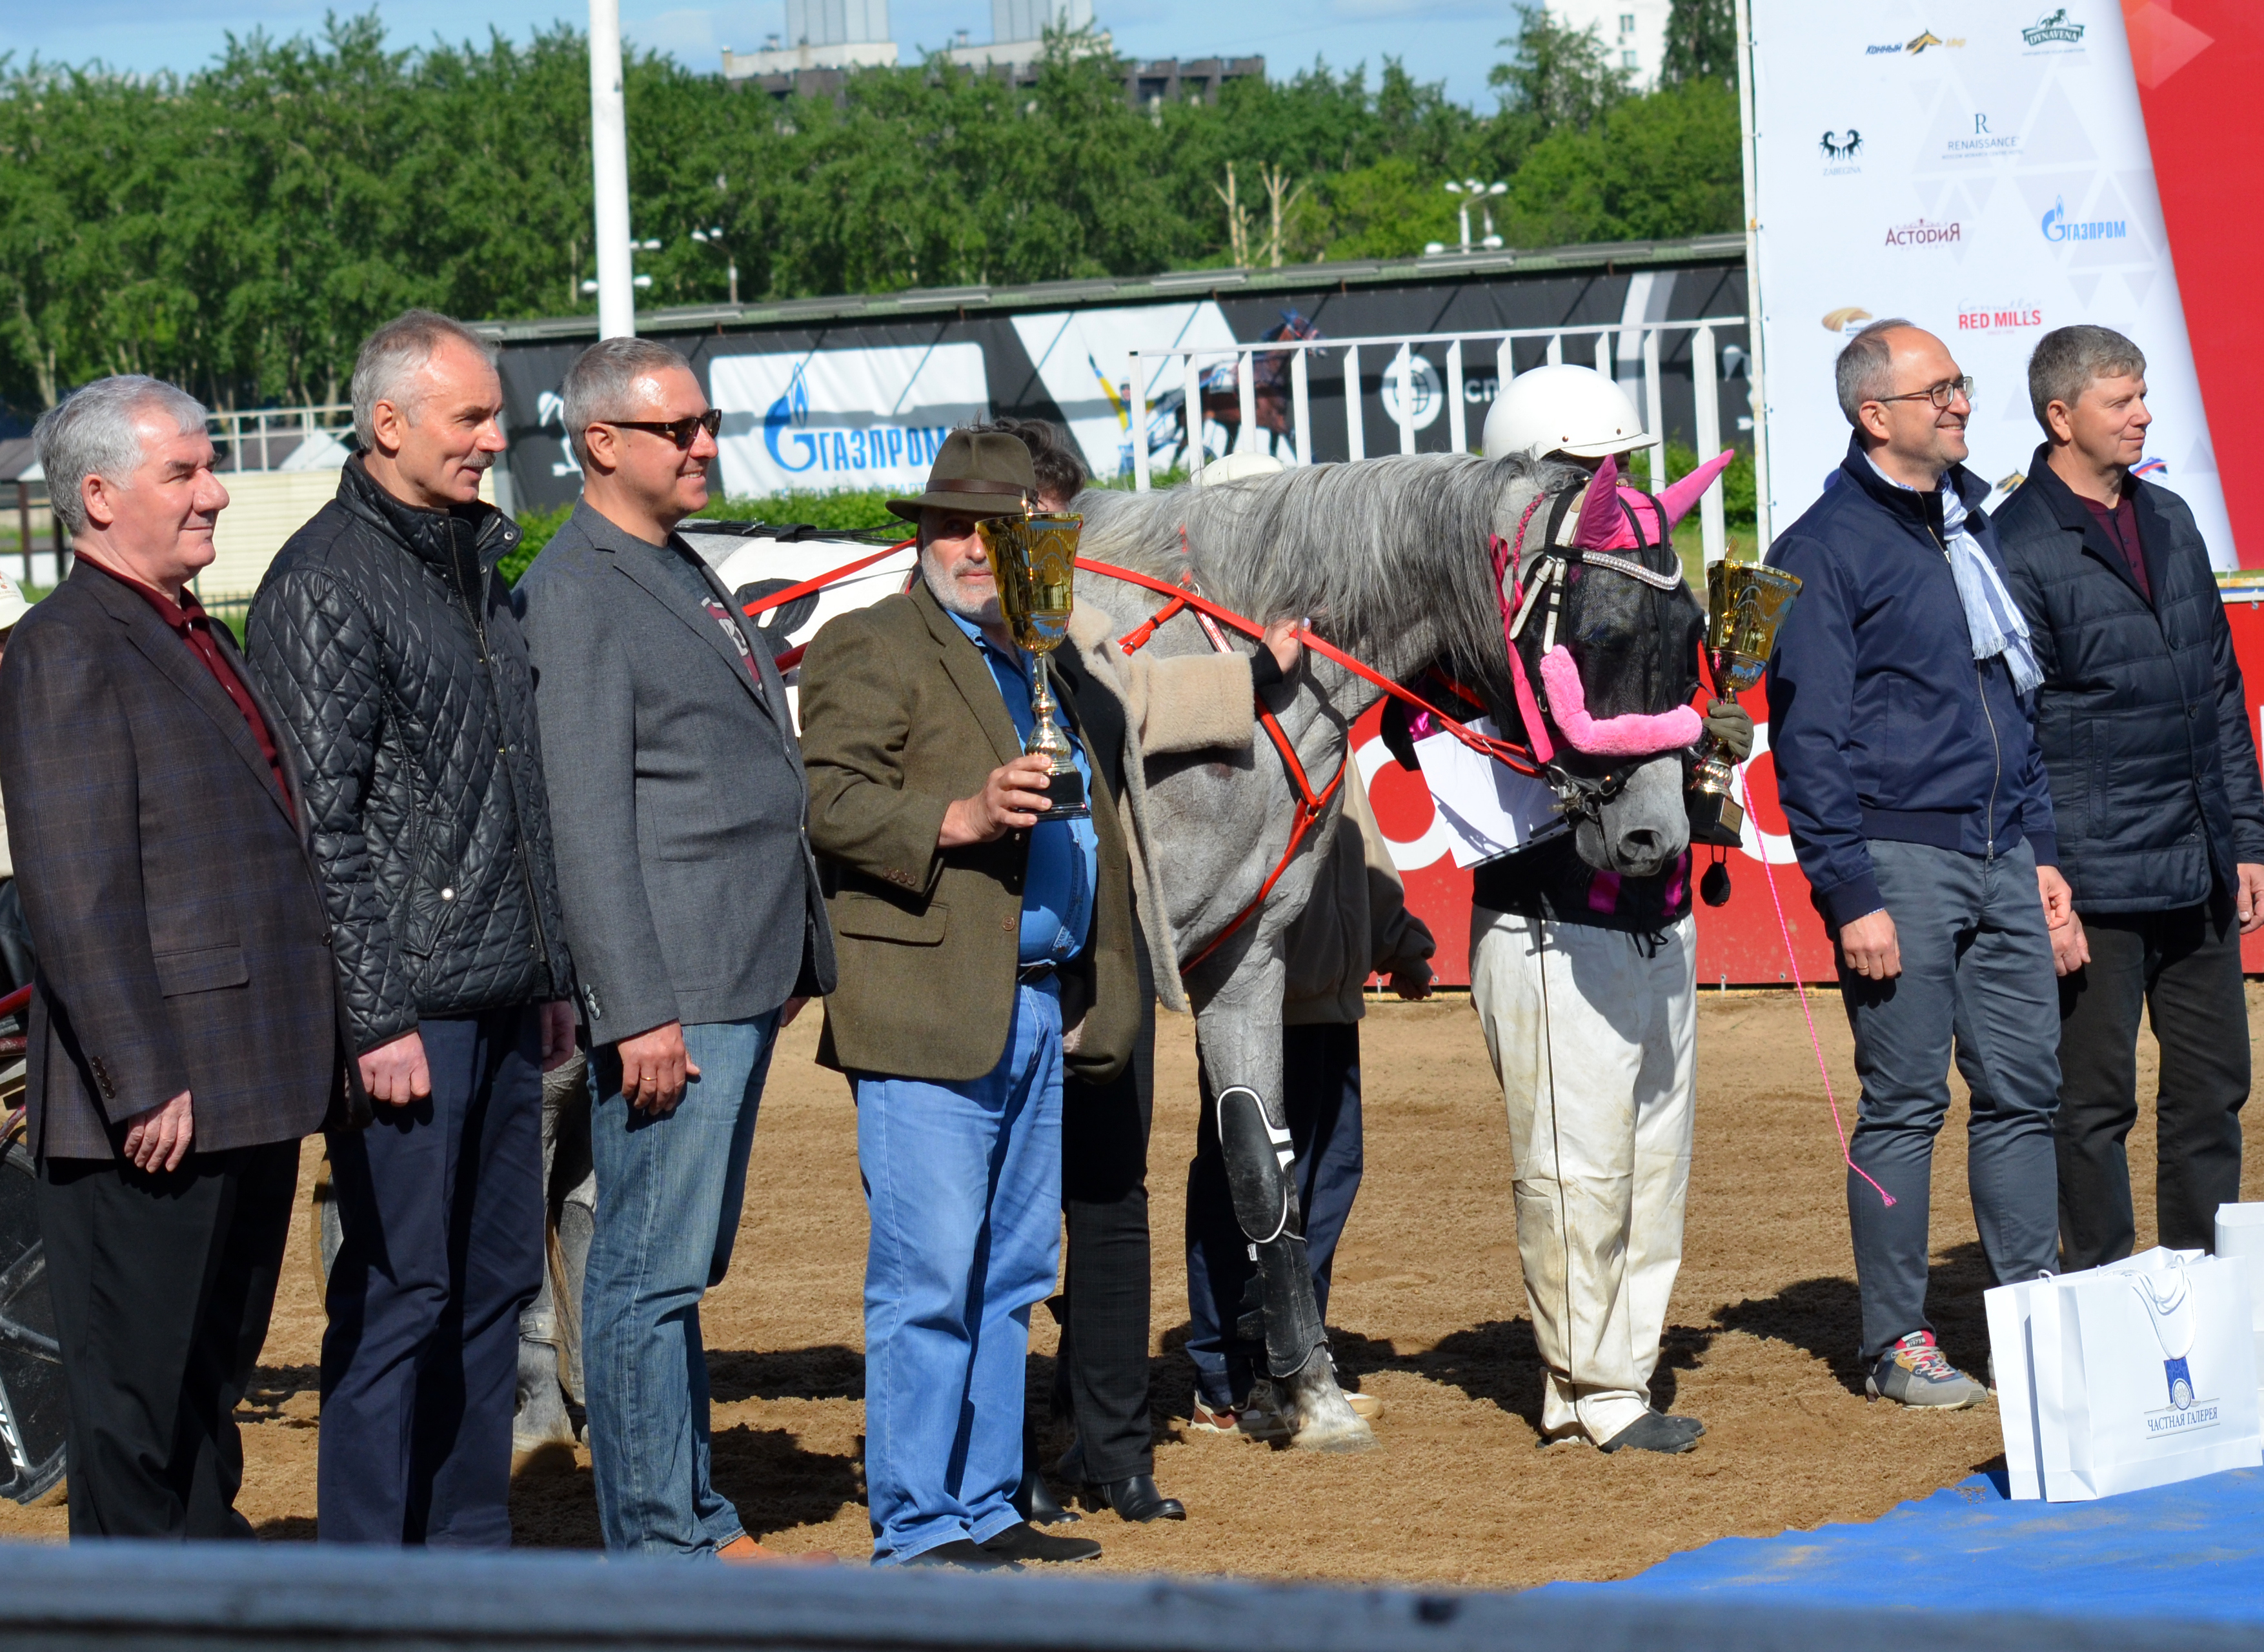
[980,951]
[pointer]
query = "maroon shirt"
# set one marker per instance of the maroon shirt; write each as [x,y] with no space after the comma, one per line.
[2120,521]
[190,623]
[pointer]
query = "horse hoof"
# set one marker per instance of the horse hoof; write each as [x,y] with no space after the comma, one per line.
[1320,1438]
[1325,1420]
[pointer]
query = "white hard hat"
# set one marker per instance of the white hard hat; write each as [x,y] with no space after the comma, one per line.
[1237,468]
[12,605]
[1562,409]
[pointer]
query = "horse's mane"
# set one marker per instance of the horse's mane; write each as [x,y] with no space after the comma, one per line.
[1387,557]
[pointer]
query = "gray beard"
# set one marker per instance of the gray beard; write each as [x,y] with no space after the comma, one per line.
[951,600]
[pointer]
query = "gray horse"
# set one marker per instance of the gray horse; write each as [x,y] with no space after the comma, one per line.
[1388,560]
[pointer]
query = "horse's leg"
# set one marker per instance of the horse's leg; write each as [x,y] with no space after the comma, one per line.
[1239,1027]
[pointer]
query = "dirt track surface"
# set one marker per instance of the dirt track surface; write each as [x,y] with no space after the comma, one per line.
[1428,1314]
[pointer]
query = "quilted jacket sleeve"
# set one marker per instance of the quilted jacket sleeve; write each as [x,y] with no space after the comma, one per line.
[316,656]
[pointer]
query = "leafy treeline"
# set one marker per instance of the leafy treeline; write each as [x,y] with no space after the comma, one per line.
[240,228]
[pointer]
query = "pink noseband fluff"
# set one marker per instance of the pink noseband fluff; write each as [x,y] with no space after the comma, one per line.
[1635,735]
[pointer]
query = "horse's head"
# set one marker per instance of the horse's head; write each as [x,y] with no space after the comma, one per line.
[1614,674]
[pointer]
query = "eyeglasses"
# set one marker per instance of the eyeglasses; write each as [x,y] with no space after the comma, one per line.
[678,430]
[1940,395]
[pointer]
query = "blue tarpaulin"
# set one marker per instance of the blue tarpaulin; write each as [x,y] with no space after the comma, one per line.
[2193,1551]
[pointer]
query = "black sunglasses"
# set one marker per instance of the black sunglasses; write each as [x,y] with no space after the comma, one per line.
[677,430]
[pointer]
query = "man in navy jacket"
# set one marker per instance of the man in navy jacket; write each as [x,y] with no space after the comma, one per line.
[2144,731]
[1899,698]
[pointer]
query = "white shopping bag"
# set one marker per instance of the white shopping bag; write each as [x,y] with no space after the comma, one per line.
[2137,1374]
[2013,1332]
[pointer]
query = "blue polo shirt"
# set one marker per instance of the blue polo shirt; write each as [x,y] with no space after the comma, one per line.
[1064,861]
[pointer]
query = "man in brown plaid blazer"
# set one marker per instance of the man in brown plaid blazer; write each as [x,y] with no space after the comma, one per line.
[184,1030]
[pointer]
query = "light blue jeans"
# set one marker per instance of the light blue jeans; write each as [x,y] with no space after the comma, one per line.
[669,1192]
[963,1182]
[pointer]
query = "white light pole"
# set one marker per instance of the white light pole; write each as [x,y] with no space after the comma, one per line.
[1472,188]
[609,173]
[714,238]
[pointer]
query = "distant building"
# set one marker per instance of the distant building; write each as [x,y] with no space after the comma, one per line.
[827,40]
[820,35]
[1634,31]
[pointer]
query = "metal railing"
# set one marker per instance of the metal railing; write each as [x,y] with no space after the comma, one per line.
[1706,377]
[261,438]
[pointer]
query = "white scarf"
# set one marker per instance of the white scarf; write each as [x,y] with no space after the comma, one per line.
[1992,620]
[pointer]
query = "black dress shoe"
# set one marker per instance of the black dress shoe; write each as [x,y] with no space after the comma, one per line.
[1135,1498]
[1034,1501]
[1022,1542]
[963,1552]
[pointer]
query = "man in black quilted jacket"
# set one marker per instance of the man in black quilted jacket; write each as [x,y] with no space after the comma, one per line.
[2144,730]
[386,639]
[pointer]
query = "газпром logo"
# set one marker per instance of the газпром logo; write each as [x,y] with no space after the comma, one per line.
[2056,225]
[2053,28]
[1920,233]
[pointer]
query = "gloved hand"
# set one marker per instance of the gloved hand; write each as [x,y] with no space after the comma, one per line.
[1732,725]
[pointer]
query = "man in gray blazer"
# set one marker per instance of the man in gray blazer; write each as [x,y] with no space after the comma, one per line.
[692,902]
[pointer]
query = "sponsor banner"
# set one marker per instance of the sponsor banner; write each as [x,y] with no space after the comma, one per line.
[1084,360]
[842,418]
[1989,181]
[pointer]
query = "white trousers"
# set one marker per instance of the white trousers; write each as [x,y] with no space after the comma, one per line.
[1593,1036]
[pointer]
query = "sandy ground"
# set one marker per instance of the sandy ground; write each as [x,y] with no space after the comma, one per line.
[1429,1313]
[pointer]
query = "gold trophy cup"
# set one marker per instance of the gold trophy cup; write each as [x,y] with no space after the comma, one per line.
[1745,603]
[1033,564]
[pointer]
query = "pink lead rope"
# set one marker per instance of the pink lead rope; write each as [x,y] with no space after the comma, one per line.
[1760,846]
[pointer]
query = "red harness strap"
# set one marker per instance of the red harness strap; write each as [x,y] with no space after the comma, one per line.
[787,659]
[1311,804]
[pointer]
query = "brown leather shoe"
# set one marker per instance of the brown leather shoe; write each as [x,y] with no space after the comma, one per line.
[744,1551]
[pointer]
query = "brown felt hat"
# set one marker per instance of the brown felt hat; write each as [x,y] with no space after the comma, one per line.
[978,472]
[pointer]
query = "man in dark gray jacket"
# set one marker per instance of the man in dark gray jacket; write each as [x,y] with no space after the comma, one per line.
[385,638]
[2144,731]
[692,901]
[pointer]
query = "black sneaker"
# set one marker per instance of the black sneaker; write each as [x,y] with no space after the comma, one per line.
[1655,1431]
[1022,1542]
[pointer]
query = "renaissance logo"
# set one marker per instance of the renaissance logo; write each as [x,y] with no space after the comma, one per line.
[1998,321]
[1924,233]
[1983,145]
[2053,29]
[2057,226]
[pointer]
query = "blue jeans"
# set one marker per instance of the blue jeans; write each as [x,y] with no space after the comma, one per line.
[669,1192]
[440,1204]
[1320,1091]
[963,1182]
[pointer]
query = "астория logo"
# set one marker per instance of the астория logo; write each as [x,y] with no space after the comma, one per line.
[2053,26]
[1922,234]
[2057,226]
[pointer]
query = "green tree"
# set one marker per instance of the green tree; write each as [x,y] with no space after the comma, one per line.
[1701,42]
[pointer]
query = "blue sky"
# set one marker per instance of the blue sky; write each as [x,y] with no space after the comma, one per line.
[1451,40]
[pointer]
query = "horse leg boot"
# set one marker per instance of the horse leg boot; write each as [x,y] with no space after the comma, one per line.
[1255,1144]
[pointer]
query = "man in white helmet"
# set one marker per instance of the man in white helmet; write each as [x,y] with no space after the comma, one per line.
[1585,983]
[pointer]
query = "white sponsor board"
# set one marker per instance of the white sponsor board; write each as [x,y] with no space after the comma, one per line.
[1083,359]
[815,420]
[1982,169]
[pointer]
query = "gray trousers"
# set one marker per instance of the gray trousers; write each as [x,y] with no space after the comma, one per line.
[1976,979]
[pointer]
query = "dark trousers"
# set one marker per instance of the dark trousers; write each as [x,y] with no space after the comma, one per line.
[1320,1091]
[162,1285]
[2183,969]
[1101,1379]
[440,1205]
[1976,983]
